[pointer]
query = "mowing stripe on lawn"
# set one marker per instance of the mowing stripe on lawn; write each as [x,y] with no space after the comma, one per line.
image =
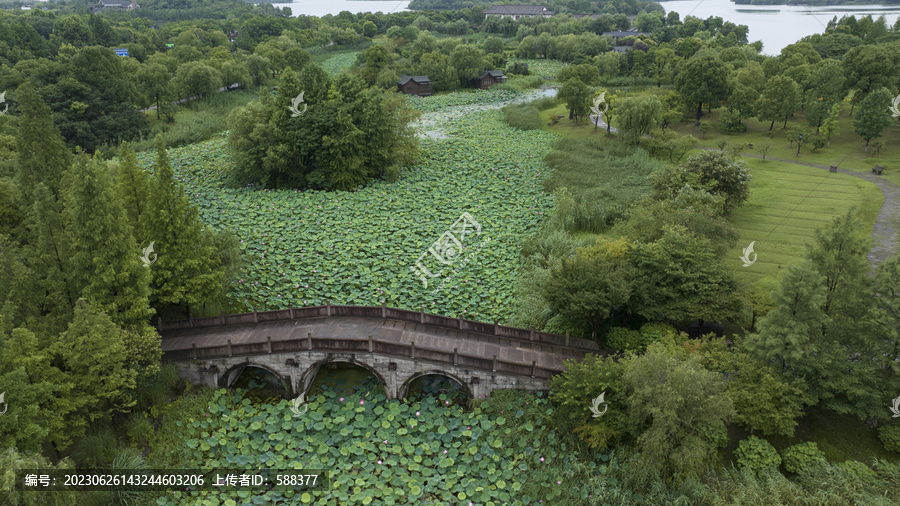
[787,204]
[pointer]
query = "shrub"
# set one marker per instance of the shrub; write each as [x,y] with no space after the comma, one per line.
[523,116]
[154,390]
[890,438]
[96,450]
[757,454]
[139,429]
[802,457]
[624,340]
[518,68]
[654,331]
[732,122]
[545,103]
[858,470]
[571,393]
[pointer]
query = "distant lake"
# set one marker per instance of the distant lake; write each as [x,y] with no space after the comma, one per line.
[778,25]
[334,7]
[775,25]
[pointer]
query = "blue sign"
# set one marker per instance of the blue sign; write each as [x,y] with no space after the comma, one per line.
[121,52]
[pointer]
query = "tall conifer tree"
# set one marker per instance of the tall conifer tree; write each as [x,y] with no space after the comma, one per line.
[188,272]
[105,258]
[43,155]
[134,187]
[49,255]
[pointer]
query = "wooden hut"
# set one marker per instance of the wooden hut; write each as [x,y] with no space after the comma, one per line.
[415,85]
[489,78]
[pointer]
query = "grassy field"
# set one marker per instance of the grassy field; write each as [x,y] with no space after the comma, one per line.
[787,204]
[840,437]
[846,149]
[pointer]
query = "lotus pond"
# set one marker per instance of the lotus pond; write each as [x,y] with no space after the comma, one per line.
[340,62]
[389,452]
[304,248]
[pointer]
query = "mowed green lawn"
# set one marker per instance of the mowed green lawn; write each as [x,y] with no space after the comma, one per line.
[787,204]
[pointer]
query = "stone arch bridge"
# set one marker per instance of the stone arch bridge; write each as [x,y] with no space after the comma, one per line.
[396,345]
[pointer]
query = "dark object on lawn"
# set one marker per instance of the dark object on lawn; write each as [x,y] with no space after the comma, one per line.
[833,168]
[695,330]
[878,169]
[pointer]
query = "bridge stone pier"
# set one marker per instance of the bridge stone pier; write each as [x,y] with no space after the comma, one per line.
[396,346]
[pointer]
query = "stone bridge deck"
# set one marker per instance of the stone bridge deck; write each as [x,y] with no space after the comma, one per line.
[379,330]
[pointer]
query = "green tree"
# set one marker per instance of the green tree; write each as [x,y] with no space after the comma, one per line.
[664,64]
[703,79]
[638,116]
[825,88]
[154,79]
[104,255]
[588,286]
[672,108]
[468,61]
[743,100]
[134,187]
[714,171]
[885,347]
[42,154]
[49,256]
[315,83]
[195,79]
[587,379]
[587,73]
[695,283]
[874,116]
[791,332]
[34,412]
[868,68]
[376,58]
[258,67]
[766,400]
[93,357]
[187,273]
[700,214]
[839,254]
[577,96]
[830,123]
[13,460]
[678,411]
[98,104]
[493,45]
[779,99]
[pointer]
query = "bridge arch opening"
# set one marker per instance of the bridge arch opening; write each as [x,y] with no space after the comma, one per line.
[343,376]
[261,382]
[435,383]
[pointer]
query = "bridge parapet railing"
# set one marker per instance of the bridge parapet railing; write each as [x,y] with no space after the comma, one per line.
[382,312]
[392,349]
